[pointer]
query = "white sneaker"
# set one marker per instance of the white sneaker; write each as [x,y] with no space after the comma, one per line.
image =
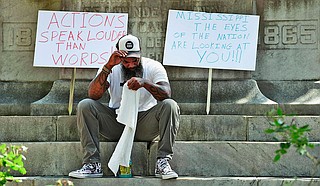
[88,170]
[163,170]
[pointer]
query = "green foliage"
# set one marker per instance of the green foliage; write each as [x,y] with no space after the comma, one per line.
[292,134]
[11,159]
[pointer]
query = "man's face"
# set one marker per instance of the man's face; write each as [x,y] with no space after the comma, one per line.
[130,63]
[131,67]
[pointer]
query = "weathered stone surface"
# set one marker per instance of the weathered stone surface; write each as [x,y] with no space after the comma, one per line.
[235,92]
[18,20]
[227,97]
[192,128]
[191,159]
[16,97]
[293,92]
[181,181]
[289,40]
[236,159]
[64,128]
[257,126]
[228,108]
[59,158]
[67,129]
[56,101]
[212,128]
[26,128]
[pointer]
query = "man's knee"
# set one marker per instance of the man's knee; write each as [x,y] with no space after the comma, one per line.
[85,104]
[171,104]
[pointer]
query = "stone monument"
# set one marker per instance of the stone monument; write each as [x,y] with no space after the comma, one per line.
[287,70]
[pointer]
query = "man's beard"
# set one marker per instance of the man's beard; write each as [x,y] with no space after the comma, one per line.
[128,74]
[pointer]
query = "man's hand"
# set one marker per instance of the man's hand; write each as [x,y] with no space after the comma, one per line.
[135,83]
[159,91]
[99,84]
[116,58]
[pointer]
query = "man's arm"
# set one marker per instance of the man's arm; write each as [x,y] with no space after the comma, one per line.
[159,91]
[99,84]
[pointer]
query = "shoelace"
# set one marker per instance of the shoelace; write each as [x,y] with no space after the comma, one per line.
[164,165]
[87,166]
[90,166]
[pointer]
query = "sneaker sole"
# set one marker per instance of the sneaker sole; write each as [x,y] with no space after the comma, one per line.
[86,175]
[168,177]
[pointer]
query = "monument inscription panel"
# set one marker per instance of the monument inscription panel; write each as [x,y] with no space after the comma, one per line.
[18,36]
[290,34]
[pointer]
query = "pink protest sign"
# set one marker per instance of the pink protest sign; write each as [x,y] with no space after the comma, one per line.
[77,39]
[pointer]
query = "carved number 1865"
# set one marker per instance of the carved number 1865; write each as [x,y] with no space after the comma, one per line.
[289,34]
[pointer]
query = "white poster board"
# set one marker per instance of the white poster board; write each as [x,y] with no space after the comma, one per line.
[211,40]
[77,39]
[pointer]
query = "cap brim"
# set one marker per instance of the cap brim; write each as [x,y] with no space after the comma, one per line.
[134,54]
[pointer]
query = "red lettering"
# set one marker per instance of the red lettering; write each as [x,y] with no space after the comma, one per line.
[102,33]
[70,36]
[73,18]
[104,58]
[94,60]
[96,24]
[88,38]
[75,61]
[120,20]
[83,56]
[78,36]
[63,20]
[61,35]
[59,59]
[53,21]
[43,34]
[68,46]
[108,20]
[120,34]
[54,34]
[75,46]
[83,20]
[82,46]
[58,46]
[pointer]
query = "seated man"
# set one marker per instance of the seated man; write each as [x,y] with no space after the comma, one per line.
[158,114]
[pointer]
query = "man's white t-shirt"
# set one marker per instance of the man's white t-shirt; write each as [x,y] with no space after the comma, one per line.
[152,71]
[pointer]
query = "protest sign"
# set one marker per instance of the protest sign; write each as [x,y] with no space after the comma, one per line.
[211,40]
[77,39]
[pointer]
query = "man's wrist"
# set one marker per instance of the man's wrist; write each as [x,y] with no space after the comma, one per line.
[106,70]
[108,66]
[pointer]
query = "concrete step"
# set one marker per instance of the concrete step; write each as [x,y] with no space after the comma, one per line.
[232,97]
[181,181]
[192,158]
[192,127]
